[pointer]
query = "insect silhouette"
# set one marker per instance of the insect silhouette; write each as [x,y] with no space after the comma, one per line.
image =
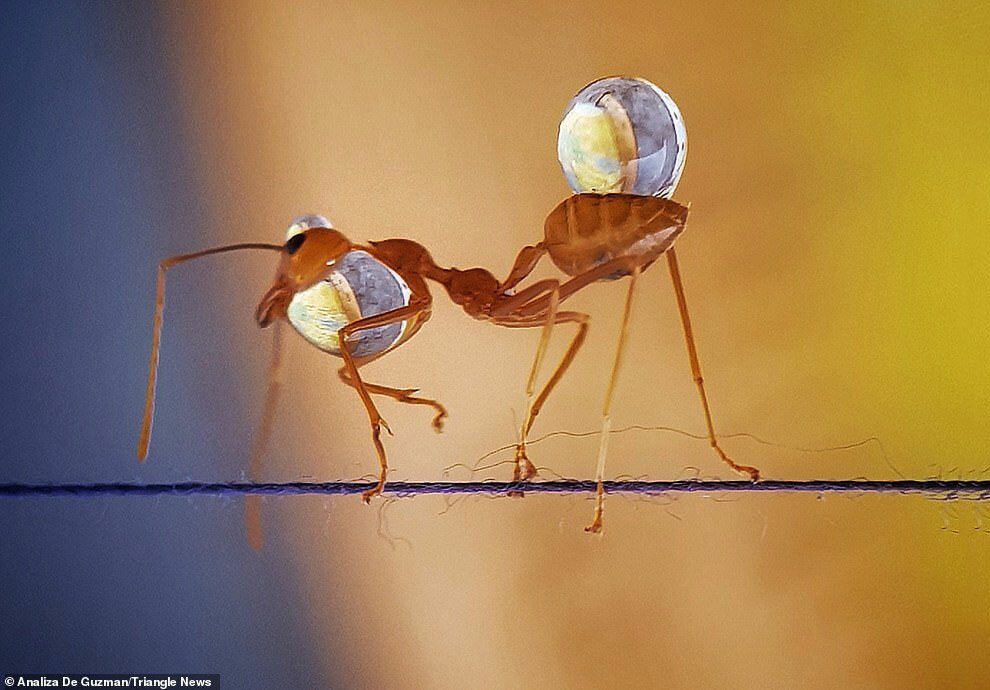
[361,301]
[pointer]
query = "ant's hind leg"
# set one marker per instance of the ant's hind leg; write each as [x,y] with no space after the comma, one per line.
[524,264]
[675,276]
[402,395]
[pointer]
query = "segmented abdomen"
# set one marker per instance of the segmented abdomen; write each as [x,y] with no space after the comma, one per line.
[587,230]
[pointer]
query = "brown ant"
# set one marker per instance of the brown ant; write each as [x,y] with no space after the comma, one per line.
[360,302]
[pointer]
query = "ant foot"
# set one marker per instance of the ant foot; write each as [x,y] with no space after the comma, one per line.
[523,470]
[384,425]
[529,470]
[438,420]
[596,526]
[376,490]
[754,474]
[751,472]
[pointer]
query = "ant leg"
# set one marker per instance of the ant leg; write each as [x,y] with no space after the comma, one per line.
[402,395]
[524,469]
[541,348]
[524,320]
[675,276]
[252,503]
[413,312]
[539,303]
[533,307]
[508,306]
[524,264]
[596,524]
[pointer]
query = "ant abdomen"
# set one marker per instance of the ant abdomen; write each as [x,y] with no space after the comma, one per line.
[588,230]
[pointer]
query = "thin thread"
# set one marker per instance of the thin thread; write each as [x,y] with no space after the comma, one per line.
[943,488]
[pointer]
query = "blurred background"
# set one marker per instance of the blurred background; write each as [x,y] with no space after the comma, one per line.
[835,265]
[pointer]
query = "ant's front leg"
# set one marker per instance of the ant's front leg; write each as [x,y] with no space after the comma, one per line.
[524,264]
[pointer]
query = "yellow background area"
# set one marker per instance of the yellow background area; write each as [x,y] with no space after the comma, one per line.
[835,264]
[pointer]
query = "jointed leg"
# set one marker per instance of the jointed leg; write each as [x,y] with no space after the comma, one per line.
[412,311]
[252,503]
[539,303]
[675,276]
[541,289]
[541,348]
[524,468]
[537,306]
[596,524]
[524,264]
[403,395]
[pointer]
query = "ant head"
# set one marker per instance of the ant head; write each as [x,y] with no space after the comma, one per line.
[307,258]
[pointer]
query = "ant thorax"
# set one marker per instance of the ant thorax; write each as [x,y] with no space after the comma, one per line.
[359,286]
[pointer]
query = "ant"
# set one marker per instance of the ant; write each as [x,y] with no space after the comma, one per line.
[622,145]
[580,233]
[361,301]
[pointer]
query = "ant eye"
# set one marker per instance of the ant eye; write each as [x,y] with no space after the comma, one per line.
[294,243]
[622,135]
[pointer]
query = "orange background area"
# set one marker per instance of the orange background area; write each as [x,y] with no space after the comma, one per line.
[835,265]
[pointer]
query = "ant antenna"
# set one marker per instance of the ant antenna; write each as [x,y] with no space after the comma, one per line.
[156,329]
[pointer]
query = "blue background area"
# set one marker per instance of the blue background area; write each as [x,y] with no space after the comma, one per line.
[95,173]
